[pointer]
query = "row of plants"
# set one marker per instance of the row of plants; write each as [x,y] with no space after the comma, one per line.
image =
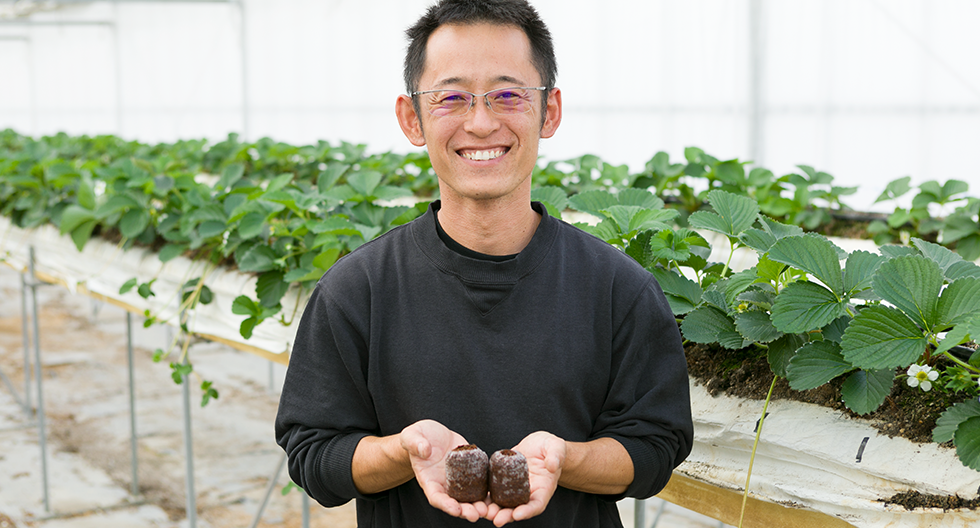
[287,213]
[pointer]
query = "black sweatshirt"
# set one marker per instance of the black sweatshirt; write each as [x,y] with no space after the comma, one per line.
[571,336]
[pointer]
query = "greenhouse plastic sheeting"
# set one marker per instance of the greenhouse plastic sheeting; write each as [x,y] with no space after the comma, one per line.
[816,458]
[103,267]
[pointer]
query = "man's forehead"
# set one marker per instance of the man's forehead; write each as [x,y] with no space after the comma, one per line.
[459,54]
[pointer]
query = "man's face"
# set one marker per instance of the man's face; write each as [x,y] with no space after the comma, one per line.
[480,155]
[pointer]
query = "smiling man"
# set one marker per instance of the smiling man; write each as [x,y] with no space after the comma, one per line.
[485,320]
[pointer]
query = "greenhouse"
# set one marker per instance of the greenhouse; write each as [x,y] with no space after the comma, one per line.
[790,180]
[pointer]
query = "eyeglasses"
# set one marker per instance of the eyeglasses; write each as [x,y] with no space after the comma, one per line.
[515,100]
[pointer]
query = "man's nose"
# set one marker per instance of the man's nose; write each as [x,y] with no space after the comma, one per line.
[480,119]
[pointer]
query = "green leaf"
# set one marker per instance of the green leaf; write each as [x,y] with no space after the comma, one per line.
[230,176]
[732,214]
[324,260]
[967,440]
[134,222]
[814,254]
[364,182]
[815,364]
[961,298]
[270,287]
[682,294]
[251,225]
[639,197]
[115,204]
[81,234]
[950,420]
[805,306]
[962,269]
[941,255]
[631,218]
[835,330]
[893,251]
[335,225]
[708,325]
[552,195]
[961,333]
[864,391]
[242,305]
[912,284]
[128,285]
[73,216]
[755,325]
[258,258]
[895,189]
[781,352]
[859,270]
[247,326]
[171,251]
[882,337]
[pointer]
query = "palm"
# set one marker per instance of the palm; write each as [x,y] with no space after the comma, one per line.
[545,454]
[428,443]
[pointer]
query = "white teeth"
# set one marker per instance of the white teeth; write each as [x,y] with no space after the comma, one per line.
[483,155]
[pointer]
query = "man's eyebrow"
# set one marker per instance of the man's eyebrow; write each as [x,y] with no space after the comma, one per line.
[460,80]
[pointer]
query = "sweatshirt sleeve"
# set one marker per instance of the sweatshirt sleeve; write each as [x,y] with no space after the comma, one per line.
[325,408]
[648,408]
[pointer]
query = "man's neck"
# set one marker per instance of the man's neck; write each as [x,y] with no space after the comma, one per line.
[490,227]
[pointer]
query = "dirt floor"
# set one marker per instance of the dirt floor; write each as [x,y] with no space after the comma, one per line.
[86,400]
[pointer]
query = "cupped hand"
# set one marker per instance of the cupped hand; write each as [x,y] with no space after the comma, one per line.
[428,443]
[545,454]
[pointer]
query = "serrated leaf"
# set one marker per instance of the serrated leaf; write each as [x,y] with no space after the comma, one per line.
[593,202]
[951,418]
[882,337]
[967,440]
[781,352]
[941,255]
[734,285]
[835,330]
[715,298]
[258,258]
[864,391]
[82,233]
[892,251]
[552,195]
[685,292]
[859,269]
[895,189]
[74,216]
[270,287]
[816,364]
[959,299]
[665,244]
[962,269]
[758,298]
[732,214]
[639,197]
[327,258]
[232,173]
[805,306]
[757,239]
[768,270]
[251,225]
[755,325]
[639,248]
[961,333]
[708,325]
[912,284]
[814,254]
[171,251]
[243,305]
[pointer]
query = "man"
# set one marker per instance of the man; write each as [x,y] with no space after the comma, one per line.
[484,321]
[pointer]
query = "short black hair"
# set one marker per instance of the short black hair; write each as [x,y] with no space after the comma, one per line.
[516,13]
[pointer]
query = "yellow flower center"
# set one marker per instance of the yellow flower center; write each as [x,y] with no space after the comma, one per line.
[922,375]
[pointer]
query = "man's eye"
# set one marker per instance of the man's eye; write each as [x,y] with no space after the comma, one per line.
[451,98]
[507,95]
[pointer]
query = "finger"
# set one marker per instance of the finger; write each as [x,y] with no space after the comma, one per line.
[504,516]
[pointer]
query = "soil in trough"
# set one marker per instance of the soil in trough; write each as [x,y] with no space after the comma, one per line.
[907,413]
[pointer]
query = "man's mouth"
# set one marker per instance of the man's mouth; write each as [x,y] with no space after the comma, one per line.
[483,155]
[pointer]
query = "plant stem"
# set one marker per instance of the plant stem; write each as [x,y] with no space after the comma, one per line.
[755,445]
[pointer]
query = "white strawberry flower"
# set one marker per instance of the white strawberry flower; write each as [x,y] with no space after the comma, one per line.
[921,376]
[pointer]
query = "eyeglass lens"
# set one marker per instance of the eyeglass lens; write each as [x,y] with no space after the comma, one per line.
[503,101]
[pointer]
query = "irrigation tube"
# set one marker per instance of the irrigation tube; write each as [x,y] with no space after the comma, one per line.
[41,425]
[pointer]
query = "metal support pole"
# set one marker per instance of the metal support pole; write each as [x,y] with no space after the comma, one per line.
[41,424]
[134,488]
[268,491]
[272,377]
[306,510]
[756,111]
[28,367]
[242,42]
[189,451]
[660,511]
[639,513]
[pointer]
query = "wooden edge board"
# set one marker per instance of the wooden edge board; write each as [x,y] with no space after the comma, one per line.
[726,505]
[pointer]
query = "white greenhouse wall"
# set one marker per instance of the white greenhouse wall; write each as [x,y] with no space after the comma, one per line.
[867,90]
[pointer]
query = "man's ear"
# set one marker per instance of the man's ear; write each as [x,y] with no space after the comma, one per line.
[408,119]
[552,116]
